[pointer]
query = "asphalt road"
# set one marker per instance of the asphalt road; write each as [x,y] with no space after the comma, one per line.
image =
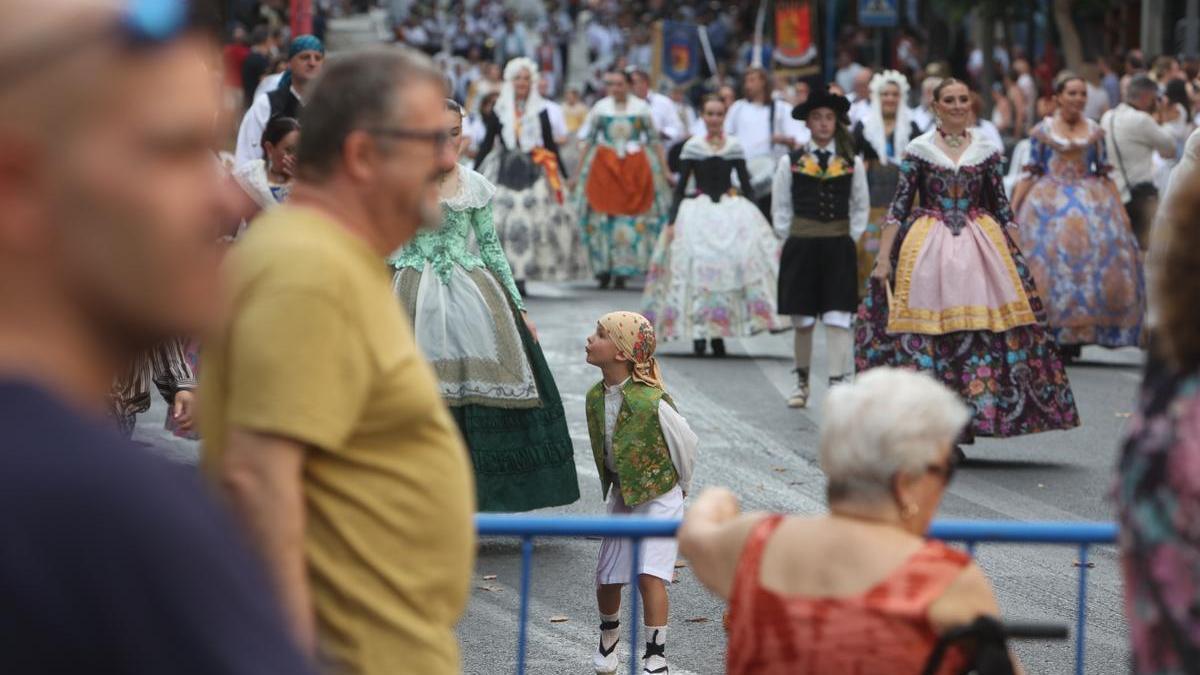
[751,442]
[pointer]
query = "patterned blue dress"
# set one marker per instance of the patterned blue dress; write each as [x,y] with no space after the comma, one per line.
[1078,242]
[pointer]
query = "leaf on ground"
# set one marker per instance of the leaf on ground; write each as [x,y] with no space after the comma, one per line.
[778,469]
[796,482]
[1090,564]
[559,619]
[680,563]
[489,577]
[698,619]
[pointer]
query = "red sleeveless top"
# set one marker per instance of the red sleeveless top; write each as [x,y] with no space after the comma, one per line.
[884,630]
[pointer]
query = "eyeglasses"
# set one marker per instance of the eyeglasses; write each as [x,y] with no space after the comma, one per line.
[945,471]
[440,139]
[140,23]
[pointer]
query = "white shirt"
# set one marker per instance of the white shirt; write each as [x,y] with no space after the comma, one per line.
[1097,102]
[681,440]
[989,131]
[268,84]
[922,117]
[749,123]
[665,115]
[781,194]
[1138,137]
[859,110]
[558,120]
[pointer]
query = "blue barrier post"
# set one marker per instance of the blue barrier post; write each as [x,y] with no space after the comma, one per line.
[1081,617]
[523,626]
[634,592]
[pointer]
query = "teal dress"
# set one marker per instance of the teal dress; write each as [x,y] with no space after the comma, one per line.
[466,314]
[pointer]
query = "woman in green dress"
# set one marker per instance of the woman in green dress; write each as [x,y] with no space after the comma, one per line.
[471,324]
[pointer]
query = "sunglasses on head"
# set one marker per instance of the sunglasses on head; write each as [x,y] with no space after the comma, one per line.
[139,23]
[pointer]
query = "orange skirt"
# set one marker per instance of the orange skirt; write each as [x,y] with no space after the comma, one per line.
[620,186]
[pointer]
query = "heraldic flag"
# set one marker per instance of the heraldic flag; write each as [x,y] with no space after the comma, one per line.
[680,58]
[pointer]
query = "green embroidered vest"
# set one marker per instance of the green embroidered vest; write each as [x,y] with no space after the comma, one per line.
[640,452]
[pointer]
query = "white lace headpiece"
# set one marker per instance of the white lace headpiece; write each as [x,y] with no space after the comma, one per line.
[873,129]
[506,108]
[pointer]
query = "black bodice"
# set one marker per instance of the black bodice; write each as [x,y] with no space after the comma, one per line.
[713,178]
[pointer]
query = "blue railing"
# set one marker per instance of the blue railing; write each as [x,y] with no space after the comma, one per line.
[970,532]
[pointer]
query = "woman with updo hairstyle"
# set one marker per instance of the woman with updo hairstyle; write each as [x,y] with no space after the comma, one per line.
[715,268]
[951,293]
[1075,233]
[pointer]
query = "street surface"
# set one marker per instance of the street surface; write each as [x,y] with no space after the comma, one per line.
[767,454]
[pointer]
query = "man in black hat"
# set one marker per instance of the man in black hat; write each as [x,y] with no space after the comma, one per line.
[820,204]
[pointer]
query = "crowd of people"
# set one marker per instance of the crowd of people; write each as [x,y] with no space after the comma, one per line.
[353,414]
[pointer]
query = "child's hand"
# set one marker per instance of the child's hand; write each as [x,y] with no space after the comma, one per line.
[183,409]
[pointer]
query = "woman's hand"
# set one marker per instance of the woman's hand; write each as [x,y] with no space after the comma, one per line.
[716,506]
[183,410]
[529,324]
[883,269]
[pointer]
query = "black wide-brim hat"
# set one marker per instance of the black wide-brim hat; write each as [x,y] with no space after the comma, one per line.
[840,105]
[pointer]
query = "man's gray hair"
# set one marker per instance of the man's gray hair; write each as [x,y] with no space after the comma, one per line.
[355,91]
[1138,87]
[887,422]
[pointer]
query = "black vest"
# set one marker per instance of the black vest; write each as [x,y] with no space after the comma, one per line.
[822,200]
[284,104]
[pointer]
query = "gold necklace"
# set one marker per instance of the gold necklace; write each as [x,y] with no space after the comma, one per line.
[955,141]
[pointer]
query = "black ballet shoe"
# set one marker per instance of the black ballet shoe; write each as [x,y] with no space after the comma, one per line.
[619,283]
[699,347]
[718,346]
[1070,353]
[605,279]
[959,455]
[521,289]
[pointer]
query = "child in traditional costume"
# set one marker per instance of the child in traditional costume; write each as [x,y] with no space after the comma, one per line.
[820,203]
[644,452]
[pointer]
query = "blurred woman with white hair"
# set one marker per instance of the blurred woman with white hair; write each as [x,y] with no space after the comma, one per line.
[520,156]
[859,590]
[881,138]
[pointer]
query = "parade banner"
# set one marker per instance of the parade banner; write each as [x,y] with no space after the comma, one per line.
[680,58]
[794,33]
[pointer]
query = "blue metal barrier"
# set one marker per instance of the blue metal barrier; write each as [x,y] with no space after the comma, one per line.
[970,532]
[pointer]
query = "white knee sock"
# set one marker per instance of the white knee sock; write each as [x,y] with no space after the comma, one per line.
[841,345]
[655,659]
[609,636]
[803,341]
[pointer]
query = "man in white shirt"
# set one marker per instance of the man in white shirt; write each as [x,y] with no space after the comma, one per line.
[1132,136]
[662,108]
[305,58]
[766,130]
[922,115]
[860,97]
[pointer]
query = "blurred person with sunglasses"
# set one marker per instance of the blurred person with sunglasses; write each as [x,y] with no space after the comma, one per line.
[859,590]
[322,421]
[114,560]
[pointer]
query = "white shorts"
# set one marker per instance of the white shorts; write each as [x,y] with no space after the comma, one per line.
[656,557]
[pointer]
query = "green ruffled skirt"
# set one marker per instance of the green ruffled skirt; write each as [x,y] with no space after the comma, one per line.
[523,458]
